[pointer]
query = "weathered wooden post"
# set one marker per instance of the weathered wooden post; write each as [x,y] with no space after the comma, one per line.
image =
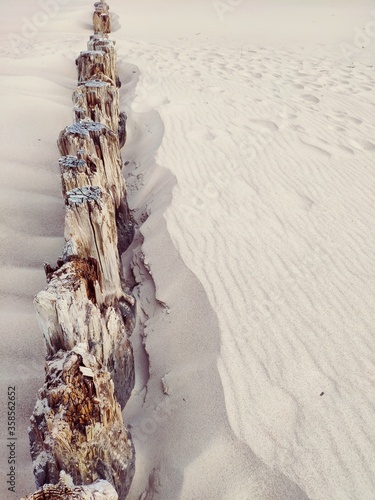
[101,19]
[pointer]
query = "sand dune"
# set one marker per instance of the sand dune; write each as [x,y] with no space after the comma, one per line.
[250,156]
[271,156]
[281,245]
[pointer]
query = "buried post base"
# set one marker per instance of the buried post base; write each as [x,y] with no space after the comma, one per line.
[100,490]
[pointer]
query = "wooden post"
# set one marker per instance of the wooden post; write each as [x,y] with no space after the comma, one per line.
[101,19]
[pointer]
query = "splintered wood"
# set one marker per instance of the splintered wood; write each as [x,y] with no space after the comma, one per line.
[79,444]
[78,422]
[100,490]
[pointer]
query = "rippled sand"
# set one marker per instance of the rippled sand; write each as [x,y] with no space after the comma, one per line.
[250,169]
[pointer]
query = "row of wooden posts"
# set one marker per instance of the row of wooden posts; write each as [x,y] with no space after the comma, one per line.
[79,443]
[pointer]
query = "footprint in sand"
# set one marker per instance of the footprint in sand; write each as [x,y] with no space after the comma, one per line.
[298,128]
[311,98]
[357,121]
[316,85]
[336,128]
[342,116]
[265,124]
[203,134]
[316,149]
[346,149]
[361,144]
[215,89]
[305,202]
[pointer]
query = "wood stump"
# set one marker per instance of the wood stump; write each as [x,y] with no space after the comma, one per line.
[101,19]
[77,423]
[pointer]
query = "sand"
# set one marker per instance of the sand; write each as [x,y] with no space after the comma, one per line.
[250,147]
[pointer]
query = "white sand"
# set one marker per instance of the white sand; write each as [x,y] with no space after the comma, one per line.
[251,146]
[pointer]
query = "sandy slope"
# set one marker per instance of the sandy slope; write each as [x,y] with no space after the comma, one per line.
[271,211]
[284,251]
[271,150]
[250,169]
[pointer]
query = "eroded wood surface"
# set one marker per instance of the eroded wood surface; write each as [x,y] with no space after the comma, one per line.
[86,312]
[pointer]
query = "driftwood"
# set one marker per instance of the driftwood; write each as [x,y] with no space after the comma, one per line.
[86,313]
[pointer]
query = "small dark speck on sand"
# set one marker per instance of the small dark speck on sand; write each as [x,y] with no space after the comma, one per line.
[322,394]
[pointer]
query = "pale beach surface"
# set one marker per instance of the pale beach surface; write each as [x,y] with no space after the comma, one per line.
[250,169]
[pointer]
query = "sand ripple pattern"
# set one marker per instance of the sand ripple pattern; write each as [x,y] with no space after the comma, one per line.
[273,152]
